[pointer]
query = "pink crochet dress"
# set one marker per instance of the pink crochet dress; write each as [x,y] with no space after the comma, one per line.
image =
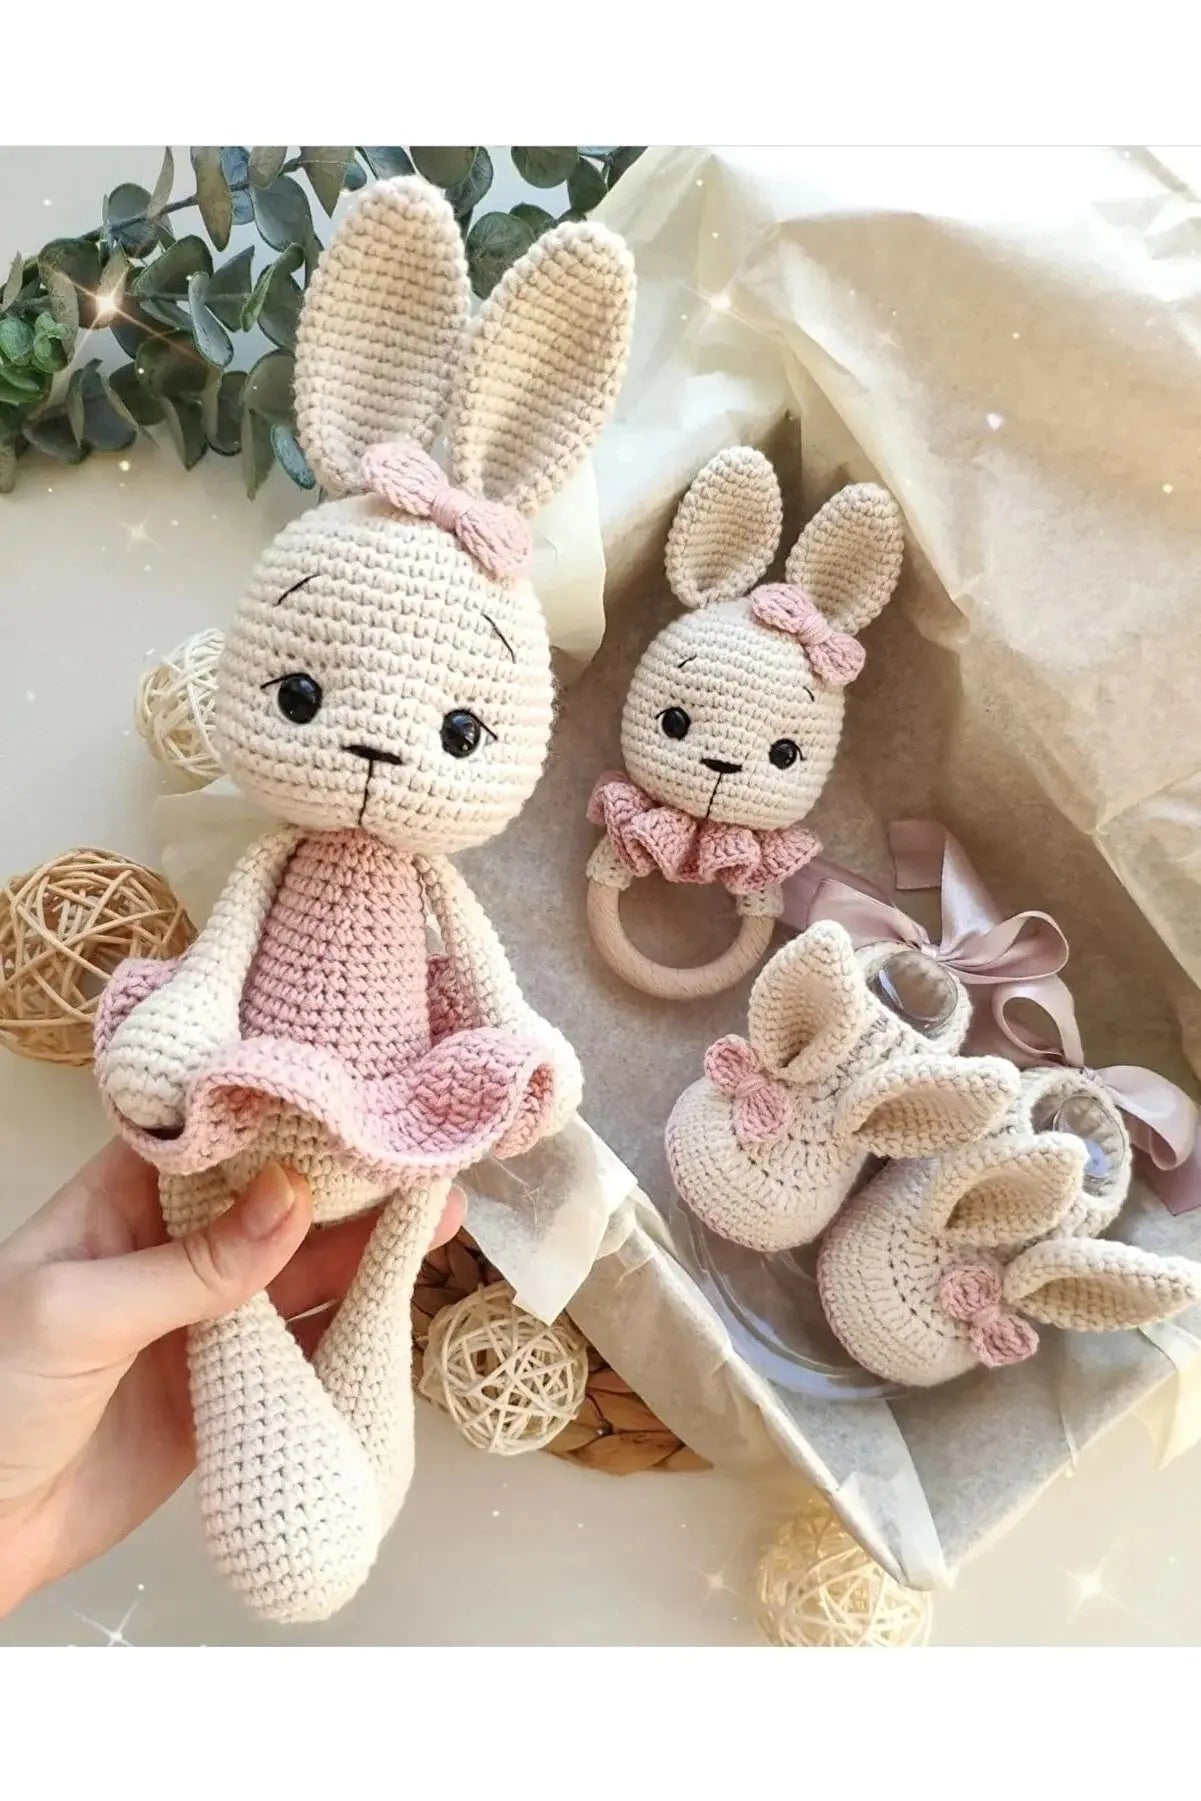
[347,1021]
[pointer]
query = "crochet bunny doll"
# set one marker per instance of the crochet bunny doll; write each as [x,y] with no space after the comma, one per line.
[941,1265]
[386,690]
[733,716]
[766,1146]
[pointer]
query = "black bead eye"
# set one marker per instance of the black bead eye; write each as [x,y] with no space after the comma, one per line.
[462,733]
[784,753]
[299,697]
[675,722]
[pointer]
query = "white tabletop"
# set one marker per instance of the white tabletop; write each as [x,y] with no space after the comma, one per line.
[102,570]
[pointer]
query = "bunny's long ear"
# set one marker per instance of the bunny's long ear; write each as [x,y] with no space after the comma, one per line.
[808,1007]
[848,558]
[381,329]
[726,530]
[917,1105]
[542,367]
[1095,1285]
[1004,1192]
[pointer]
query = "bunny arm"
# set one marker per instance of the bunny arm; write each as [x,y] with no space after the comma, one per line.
[156,1049]
[491,990]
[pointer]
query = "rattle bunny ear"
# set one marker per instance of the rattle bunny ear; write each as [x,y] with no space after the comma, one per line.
[542,367]
[848,558]
[381,329]
[726,529]
[999,1192]
[807,1005]
[1096,1285]
[917,1105]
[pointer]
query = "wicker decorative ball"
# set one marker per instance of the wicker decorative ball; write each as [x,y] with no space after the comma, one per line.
[509,1382]
[816,1586]
[63,930]
[175,707]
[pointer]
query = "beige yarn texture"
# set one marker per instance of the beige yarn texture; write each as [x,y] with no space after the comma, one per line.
[302,1468]
[884,1258]
[174,707]
[510,1383]
[817,1588]
[860,1080]
[64,927]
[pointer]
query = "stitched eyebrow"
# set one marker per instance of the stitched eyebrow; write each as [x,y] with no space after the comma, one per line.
[506,644]
[303,582]
[691,659]
[809,692]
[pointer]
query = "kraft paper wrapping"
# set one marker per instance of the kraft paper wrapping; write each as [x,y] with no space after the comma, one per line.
[1008,340]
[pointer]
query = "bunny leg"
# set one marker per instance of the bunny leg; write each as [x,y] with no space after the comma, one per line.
[289,1500]
[365,1355]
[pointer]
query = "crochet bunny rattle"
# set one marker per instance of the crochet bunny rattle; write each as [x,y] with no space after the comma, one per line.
[732,720]
[386,690]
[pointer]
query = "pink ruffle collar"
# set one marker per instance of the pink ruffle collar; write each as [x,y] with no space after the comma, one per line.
[648,836]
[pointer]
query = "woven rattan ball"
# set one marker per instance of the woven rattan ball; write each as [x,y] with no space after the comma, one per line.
[816,1586]
[63,930]
[509,1382]
[175,706]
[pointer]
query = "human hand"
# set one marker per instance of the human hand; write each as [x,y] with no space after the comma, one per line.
[95,1415]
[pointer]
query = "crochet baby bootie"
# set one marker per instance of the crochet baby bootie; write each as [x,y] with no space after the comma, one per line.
[848,1054]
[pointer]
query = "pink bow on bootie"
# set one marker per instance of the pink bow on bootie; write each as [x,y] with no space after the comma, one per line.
[494,535]
[647,836]
[971,1294]
[762,1104]
[835,656]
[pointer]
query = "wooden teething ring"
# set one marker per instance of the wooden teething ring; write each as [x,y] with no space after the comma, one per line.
[660,979]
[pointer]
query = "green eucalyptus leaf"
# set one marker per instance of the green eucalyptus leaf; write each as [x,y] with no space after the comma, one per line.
[291,457]
[51,433]
[170,366]
[235,165]
[64,302]
[467,194]
[118,404]
[386,159]
[622,159]
[279,314]
[212,193]
[229,289]
[161,193]
[326,169]
[48,354]
[208,334]
[536,217]
[495,242]
[16,341]
[258,454]
[23,388]
[354,178]
[282,214]
[97,417]
[110,290]
[126,220]
[73,405]
[8,464]
[132,326]
[443,164]
[132,397]
[268,390]
[266,161]
[585,186]
[546,165]
[167,312]
[181,416]
[170,273]
[221,411]
[15,282]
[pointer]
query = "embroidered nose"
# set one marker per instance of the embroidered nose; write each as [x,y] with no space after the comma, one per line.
[719,767]
[372,754]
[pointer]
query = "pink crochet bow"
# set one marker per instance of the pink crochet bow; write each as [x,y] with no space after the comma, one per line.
[494,535]
[762,1104]
[835,657]
[647,836]
[971,1294]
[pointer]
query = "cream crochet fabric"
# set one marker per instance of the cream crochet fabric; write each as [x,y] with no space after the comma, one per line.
[923,1275]
[386,690]
[765,1148]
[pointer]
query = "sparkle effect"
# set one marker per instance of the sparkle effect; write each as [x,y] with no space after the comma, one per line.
[114,1635]
[994,421]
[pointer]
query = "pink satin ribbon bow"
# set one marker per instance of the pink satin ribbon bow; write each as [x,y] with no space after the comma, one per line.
[647,836]
[762,1104]
[494,535]
[971,1294]
[835,657]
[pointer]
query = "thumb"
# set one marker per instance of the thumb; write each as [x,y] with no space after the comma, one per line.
[140,1297]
